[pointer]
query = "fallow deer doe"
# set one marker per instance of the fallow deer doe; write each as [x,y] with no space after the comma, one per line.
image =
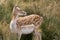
[22,24]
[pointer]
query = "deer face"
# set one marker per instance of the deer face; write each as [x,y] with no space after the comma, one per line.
[18,11]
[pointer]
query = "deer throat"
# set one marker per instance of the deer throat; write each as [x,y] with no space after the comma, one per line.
[13,26]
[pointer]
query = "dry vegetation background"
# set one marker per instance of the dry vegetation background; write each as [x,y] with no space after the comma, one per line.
[49,9]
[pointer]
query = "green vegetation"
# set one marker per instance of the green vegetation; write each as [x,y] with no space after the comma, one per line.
[48,9]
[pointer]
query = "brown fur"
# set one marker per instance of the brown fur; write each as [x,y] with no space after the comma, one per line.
[31,19]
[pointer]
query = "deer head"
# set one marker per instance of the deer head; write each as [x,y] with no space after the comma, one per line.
[18,11]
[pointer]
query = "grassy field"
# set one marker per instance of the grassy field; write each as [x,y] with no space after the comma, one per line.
[48,9]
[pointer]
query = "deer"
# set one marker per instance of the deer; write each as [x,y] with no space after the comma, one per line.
[22,23]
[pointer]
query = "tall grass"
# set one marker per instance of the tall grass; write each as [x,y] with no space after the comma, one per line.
[48,9]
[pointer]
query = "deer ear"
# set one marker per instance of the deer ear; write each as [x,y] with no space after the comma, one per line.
[15,9]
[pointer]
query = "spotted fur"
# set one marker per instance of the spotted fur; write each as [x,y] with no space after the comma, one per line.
[31,19]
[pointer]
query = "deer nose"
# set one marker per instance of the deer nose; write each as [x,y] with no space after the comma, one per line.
[24,12]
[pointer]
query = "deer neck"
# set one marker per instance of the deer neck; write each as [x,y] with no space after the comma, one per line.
[13,24]
[15,17]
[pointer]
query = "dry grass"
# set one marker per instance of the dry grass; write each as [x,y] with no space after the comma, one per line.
[49,9]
